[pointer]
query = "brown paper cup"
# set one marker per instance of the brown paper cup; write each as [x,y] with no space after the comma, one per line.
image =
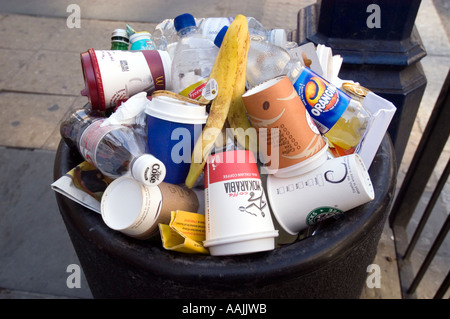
[136,209]
[289,140]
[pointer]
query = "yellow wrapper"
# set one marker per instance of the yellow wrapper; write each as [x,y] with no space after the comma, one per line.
[185,233]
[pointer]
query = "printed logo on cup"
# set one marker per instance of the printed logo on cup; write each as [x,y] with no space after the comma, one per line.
[237,214]
[283,123]
[336,186]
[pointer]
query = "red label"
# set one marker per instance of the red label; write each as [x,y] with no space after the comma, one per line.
[230,165]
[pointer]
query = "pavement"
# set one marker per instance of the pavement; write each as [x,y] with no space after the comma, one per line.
[40,83]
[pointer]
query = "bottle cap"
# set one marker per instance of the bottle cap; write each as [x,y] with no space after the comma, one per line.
[139,36]
[219,37]
[120,33]
[278,37]
[148,170]
[183,21]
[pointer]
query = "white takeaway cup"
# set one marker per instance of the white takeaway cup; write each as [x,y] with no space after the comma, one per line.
[238,219]
[337,186]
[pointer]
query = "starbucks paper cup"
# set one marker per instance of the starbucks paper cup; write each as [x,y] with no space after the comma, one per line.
[290,142]
[237,214]
[136,209]
[337,186]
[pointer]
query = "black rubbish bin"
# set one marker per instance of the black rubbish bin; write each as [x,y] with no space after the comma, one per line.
[330,264]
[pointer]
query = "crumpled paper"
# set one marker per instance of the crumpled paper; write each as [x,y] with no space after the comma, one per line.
[185,233]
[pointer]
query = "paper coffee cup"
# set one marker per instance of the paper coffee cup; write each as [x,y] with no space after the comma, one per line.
[237,215]
[173,127]
[274,106]
[114,75]
[337,186]
[136,209]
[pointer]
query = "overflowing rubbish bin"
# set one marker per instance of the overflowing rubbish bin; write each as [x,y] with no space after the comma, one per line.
[231,176]
[329,264]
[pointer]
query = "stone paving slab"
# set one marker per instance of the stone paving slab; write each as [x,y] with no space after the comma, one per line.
[28,120]
[35,249]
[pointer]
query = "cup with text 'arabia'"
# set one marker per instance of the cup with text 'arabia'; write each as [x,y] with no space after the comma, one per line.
[337,186]
[289,140]
[237,214]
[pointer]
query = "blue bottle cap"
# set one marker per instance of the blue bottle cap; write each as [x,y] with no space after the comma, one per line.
[183,21]
[219,37]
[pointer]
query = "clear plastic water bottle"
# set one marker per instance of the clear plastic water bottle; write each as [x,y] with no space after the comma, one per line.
[264,60]
[210,27]
[193,58]
[115,150]
[341,119]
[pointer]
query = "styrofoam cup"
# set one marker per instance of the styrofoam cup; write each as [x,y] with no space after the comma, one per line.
[337,186]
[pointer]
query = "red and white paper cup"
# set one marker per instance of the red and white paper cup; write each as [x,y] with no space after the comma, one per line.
[237,214]
[114,75]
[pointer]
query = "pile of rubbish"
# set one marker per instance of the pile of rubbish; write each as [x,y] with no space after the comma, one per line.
[204,130]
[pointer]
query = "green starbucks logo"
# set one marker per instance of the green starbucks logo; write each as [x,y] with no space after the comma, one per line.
[320,214]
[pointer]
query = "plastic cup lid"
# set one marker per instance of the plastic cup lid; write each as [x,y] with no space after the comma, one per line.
[169,109]
[91,74]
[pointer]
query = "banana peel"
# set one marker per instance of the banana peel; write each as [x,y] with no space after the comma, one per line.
[224,71]
[237,115]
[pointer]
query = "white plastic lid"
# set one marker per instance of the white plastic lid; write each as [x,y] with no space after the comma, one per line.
[148,170]
[278,37]
[242,244]
[167,65]
[170,109]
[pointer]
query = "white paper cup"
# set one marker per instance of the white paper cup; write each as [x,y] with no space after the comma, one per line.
[337,186]
[238,219]
[136,209]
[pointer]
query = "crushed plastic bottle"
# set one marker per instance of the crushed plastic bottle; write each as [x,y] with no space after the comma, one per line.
[193,58]
[115,150]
